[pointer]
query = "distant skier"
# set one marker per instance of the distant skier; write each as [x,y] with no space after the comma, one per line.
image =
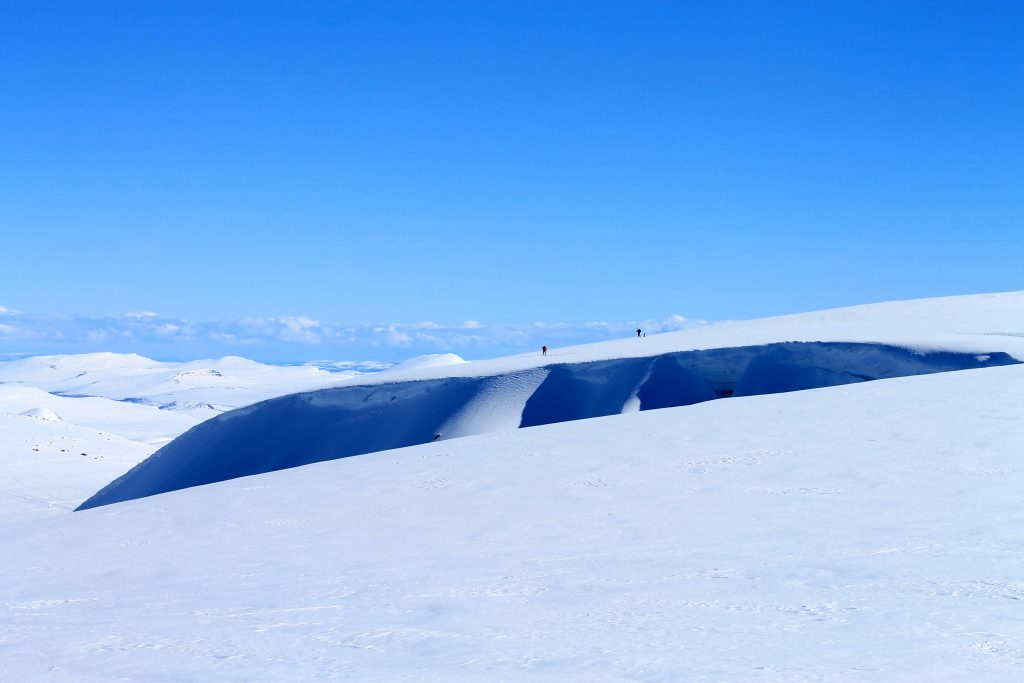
[638,332]
[543,350]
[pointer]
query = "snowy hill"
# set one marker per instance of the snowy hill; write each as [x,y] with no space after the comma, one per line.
[71,424]
[49,466]
[431,402]
[202,388]
[866,532]
[55,451]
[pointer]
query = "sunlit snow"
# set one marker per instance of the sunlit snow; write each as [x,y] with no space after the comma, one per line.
[864,531]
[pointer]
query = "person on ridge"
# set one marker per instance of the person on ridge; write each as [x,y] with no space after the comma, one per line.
[543,350]
[638,331]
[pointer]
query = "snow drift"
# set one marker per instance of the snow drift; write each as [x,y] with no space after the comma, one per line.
[44,414]
[334,423]
[866,533]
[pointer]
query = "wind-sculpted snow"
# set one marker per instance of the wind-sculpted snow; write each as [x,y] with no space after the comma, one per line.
[869,533]
[335,423]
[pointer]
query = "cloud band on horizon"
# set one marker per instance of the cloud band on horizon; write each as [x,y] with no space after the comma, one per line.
[146,331]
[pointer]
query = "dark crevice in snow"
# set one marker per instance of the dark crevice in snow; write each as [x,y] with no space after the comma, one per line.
[335,423]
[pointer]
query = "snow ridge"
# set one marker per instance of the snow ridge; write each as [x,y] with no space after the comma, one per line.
[351,420]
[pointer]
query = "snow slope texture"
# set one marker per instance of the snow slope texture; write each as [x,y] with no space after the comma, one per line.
[200,389]
[351,420]
[71,424]
[56,451]
[862,533]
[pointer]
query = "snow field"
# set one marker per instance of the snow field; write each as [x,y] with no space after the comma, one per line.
[116,409]
[200,389]
[56,451]
[867,532]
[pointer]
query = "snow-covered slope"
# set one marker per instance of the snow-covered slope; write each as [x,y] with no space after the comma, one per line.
[138,422]
[94,416]
[202,388]
[424,404]
[868,532]
[432,360]
[55,451]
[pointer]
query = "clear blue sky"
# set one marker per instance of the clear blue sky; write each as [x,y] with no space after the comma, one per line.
[506,162]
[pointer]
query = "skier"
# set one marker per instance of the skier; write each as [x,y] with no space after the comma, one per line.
[543,350]
[638,331]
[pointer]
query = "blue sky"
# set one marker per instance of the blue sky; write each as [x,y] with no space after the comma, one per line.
[237,167]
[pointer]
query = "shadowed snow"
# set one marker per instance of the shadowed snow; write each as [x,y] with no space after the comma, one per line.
[352,420]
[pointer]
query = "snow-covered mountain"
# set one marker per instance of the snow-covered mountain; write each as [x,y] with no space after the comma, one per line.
[431,401]
[863,531]
[867,532]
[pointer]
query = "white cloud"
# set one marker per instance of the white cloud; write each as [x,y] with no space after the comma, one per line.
[140,331]
[392,336]
[233,340]
[299,329]
[678,322]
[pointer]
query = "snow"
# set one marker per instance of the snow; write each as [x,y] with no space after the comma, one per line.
[432,360]
[56,451]
[976,323]
[865,532]
[71,424]
[44,414]
[201,389]
[48,467]
[846,530]
[139,422]
[357,419]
